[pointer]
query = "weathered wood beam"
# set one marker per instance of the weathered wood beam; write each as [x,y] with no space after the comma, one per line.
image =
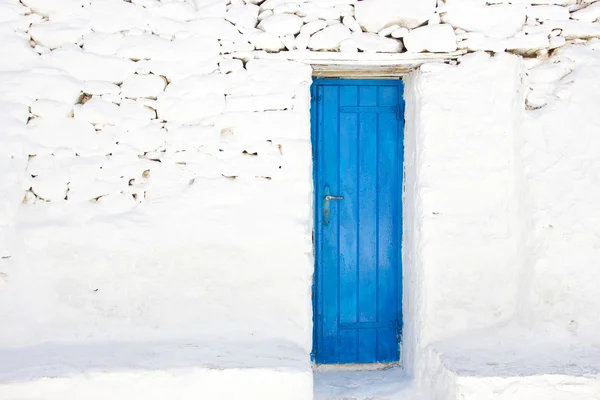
[334,64]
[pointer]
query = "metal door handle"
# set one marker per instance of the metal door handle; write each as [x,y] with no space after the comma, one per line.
[327,198]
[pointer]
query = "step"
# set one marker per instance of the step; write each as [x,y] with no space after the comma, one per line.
[512,368]
[156,371]
[339,383]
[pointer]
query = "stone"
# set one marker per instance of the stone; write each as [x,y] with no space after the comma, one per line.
[289,42]
[266,41]
[329,38]
[265,14]
[373,43]
[316,11]
[550,12]
[313,27]
[435,19]
[228,66]
[301,42]
[55,34]
[388,31]
[573,29]
[589,14]
[287,8]
[433,38]
[99,111]
[497,21]
[527,44]
[136,86]
[345,9]
[243,15]
[281,24]
[213,10]
[351,23]
[400,33]
[100,88]
[271,4]
[51,109]
[348,46]
[557,41]
[374,15]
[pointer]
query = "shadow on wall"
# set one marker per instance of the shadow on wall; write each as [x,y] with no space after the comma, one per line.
[57,360]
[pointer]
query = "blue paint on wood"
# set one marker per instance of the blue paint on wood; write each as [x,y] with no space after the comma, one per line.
[357,134]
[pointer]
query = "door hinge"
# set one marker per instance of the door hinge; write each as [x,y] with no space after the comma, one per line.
[398,112]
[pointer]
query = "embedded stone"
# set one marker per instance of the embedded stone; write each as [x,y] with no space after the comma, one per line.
[329,38]
[433,38]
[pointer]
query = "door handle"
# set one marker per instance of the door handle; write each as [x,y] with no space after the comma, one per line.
[328,198]
[327,204]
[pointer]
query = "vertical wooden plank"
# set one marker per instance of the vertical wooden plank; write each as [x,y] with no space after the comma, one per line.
[348,207]
[367,227]
[318,229]
[388,243]
[348,212]
[330,266]
[348,346]
[387,95]
[388,347]
[367,345]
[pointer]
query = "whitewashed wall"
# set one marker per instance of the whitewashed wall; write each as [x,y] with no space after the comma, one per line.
[140,231]
[461,249]
[156,171]
[500,247]
[562,272]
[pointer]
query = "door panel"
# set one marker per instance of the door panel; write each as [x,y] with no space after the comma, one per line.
[357,140]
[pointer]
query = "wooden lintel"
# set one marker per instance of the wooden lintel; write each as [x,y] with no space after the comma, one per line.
[349,65]
[356,71]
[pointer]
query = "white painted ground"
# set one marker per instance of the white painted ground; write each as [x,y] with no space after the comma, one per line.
[509,363]
[156,370]
[388,384]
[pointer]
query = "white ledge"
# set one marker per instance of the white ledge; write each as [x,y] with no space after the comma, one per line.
[323,57]
[334,64]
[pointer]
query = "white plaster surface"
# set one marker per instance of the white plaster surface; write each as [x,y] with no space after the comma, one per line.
[133,228]
[155,371]
[474,153]
[508,363]
[531,279]
[387,384]
[562,276]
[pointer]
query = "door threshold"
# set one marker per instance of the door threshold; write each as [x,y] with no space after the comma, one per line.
[354,367]
[386,384]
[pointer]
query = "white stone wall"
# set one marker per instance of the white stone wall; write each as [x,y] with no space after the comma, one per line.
[461,258]
[561,278]
[153,189]
[516,248]
[156,171]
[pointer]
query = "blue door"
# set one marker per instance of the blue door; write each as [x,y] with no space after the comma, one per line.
[357,132]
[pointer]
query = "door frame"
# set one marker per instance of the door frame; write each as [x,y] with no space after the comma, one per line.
[317,272]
